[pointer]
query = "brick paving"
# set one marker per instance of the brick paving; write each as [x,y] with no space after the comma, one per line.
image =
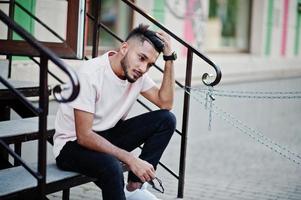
[224,164]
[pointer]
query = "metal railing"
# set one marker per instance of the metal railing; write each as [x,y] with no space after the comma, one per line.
[42,110]
[191,51]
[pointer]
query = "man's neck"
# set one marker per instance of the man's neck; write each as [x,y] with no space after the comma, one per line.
[114,59]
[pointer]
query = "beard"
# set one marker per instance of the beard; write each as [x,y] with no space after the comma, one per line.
[125,67]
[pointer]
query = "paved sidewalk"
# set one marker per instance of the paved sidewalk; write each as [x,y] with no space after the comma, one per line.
[208,190]
[225,164]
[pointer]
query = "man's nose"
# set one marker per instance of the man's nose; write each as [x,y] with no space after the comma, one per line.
[143,67]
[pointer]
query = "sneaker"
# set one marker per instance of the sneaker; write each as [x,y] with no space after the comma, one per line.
[140,194]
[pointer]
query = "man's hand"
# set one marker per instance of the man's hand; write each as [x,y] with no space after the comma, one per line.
[87,138]
[167,51]
[163,96]
[142,169]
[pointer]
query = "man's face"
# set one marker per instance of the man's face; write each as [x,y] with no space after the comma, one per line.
[138,59]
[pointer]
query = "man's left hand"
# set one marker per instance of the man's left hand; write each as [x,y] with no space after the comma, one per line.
[167,43]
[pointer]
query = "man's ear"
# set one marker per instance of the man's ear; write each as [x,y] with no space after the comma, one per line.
[124,48]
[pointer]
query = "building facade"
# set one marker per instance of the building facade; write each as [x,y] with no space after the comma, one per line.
[246,38]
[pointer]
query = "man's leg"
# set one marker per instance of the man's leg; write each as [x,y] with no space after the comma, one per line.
[153,129]
[106,168]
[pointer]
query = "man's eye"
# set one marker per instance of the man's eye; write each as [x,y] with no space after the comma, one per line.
[141,58]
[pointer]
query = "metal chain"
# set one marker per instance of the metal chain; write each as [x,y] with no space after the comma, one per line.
[209,98]
[227,117]
[260,135]
[252,94]
[210,89]
[248,92]
[248,131]
[257,97]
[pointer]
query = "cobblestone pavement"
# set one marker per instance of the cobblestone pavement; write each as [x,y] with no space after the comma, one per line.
[224,163]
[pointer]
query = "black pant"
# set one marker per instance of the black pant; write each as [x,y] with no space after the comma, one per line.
[153,129]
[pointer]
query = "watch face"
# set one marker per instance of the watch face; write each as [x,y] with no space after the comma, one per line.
[175,56]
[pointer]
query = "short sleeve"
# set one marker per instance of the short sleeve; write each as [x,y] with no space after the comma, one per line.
[148,83]
[87,95]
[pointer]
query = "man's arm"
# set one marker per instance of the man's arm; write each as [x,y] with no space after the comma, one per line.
[163,97]
[86,137]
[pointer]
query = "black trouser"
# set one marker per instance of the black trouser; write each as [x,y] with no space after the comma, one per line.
[153,129]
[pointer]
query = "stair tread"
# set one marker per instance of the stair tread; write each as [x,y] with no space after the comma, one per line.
[27,88]
[3,67]
[24,126]
[19,84]
[18,179]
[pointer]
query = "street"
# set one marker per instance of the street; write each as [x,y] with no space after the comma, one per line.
[225,163]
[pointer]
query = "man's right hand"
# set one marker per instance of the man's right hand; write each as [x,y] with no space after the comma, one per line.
[142,169]
[87,138]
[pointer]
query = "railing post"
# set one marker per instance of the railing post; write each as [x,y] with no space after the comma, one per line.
[97,13]
[185,125]
[11,14]
[43,106]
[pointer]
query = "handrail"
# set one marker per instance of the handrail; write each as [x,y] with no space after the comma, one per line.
[55,59]
[205,58]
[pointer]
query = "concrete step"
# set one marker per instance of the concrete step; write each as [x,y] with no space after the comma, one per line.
[3,68]
[17,182]
[27,88]
[24,129]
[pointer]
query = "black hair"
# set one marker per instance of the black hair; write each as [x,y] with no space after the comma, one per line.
[144,34]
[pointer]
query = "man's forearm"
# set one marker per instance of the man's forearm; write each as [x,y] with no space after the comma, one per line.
[167,89]
[98,143]
[144,170]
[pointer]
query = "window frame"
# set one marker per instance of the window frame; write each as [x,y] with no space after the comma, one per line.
[68,49]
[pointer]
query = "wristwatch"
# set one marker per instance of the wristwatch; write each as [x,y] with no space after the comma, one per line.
[173,56]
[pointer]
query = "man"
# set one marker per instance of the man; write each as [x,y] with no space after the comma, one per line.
[92,135]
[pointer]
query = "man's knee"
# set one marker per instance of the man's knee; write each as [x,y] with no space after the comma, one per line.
[105,168]
[113,167]
[169,119]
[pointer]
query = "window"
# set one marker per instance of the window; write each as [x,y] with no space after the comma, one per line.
[228,26]
[63,17]
[115,15]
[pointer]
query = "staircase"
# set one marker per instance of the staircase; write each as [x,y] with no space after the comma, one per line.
[22,180]
[11,187]
[42,177]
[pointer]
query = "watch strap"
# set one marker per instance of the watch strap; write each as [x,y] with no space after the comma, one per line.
[173,56]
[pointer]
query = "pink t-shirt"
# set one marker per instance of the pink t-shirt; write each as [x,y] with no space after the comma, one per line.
[102,93]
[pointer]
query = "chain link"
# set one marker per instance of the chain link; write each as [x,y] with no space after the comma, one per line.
[255,135]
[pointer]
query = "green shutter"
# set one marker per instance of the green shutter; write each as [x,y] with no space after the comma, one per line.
[298,28]
[158,12]
[24,20]
[270,21]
